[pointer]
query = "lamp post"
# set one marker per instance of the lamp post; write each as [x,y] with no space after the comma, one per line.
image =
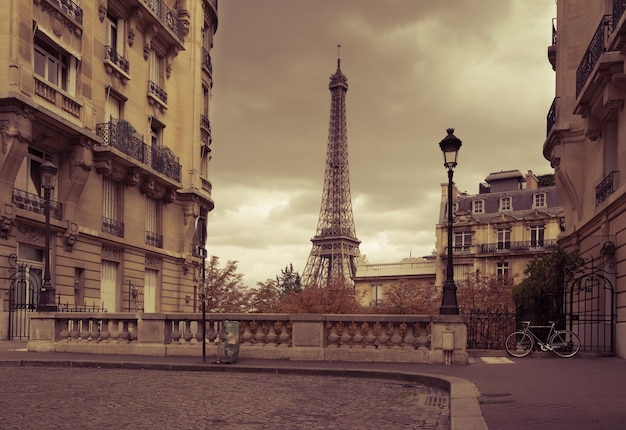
[450,146]
[47,295]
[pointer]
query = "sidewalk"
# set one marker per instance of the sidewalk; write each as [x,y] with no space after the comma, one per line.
[539,392]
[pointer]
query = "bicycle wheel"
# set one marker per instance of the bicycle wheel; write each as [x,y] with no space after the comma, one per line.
[565,343]
[519,344]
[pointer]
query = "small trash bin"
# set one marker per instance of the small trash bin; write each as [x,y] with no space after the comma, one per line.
[228,347]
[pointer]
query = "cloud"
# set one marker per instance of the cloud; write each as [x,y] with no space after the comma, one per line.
[414,69]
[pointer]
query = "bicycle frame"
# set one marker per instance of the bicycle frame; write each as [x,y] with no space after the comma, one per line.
[544,345]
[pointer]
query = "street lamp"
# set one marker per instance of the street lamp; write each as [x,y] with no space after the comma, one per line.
[47,296]
[450,146]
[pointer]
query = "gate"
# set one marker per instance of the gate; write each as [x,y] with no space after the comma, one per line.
[590,307]
[489,329]
[24,288]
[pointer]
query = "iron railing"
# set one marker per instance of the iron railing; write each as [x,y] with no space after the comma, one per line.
[114,227]
[157,91]
[551,117]
[206,60]
[111,54]
[154,239]
[606,187]
[36,204]
[597,46]
[168,17]
[122,135]
[205,123]
[71,9]
[504,246]
[619,6]
[488,330]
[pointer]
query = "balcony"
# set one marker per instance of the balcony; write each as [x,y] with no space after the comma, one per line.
[207,65]
[166,16]
[51,95]
[122,135]
[551,117]
[552,48]
[157,95]
[68,8]
[597,46]
[606,187]
[117,63]
[114,227]
[34,203]
[503,247]
[154,239]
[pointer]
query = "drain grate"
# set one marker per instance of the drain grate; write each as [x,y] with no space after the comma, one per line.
[436,401]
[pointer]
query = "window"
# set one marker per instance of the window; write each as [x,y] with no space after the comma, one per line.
[115,34]
[536,236]
[112,194]
[153,223]
[150,290]
[377,294]
[108,286]
[204,162]
[28,178]
[462,241]
[502,272]
[478,206]
[505,204]
[54,66]
[504,238]
[539,200]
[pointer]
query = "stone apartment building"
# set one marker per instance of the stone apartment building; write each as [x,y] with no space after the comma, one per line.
[115,94]
[511,221]
[586,143]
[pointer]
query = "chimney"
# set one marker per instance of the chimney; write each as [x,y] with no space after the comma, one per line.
[532,183]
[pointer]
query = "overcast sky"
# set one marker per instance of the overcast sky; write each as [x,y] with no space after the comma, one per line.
[414,68]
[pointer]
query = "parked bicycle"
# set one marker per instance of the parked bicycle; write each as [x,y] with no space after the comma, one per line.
[563,343]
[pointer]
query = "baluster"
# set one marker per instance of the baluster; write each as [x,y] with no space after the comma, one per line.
[260,334]
[396,334]
[84,329]
[105,334]
[187,331]
[176,334]
[333,335]
[368,336]
[283,337]
[423,338]
[65,331]
[409,338]
[124,334]
[211,333]
[132,330]
[381,338]
[95,329]
[352,331]
[272,334]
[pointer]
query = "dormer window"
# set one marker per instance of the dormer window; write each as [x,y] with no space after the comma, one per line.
[539,200]
[478,206]
[506,204]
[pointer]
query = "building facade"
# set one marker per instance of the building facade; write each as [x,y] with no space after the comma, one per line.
[114,93]
[586,143]
[373,280]
[511,221]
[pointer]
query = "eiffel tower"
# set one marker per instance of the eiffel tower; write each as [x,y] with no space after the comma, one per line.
[335,246]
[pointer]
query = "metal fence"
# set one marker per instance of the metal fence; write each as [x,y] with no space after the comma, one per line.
[488,330]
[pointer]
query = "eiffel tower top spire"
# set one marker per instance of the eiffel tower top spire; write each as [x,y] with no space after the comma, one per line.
[335,246]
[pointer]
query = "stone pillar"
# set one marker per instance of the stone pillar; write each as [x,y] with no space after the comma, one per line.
[446,329]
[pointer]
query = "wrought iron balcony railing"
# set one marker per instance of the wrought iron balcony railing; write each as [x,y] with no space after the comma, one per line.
[551,117]
[486,248]
[71,9]
[606,187]
[113,227]
[205,123]
[206,61]
[597,46]
[154,239]
[168,17]
[619,6]
[36,204]
[121,135]
[158,92]
[112,55]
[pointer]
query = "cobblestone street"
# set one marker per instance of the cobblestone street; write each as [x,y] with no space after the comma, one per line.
[79,398]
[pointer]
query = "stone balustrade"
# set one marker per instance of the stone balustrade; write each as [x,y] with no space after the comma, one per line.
[372,338]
